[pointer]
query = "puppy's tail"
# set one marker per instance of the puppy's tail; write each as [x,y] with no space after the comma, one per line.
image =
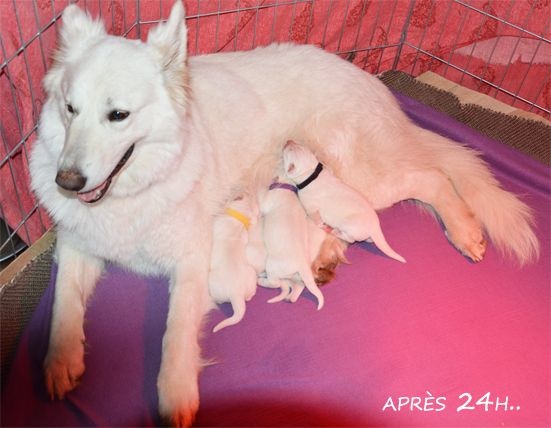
[308,280]
[381,243]
[507,220]
[239,307]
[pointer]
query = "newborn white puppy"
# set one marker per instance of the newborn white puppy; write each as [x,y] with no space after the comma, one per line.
[289,255]
[325,250]
[330,201]
[231,277]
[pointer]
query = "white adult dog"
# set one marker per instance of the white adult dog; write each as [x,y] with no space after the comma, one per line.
[330,201]
[139,147]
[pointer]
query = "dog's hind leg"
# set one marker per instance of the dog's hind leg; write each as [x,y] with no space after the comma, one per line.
[427,183]
[420,177]
[77,275]
[505,218]
[296,291]
[459,185]
[282,284]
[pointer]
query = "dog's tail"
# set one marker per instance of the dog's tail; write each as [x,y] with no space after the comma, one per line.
[379,240]
[239,306]
[308,280]
[507,220]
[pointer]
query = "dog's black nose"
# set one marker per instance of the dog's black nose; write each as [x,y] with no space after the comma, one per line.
[70,179]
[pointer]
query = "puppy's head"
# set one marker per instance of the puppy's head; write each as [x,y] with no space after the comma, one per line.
[330,255]
[246,204]
[298,161]
[113,117]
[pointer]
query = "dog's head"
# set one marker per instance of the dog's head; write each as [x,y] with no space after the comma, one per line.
[298,161]
[115,108]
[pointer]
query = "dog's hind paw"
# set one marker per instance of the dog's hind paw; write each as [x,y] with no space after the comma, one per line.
[472,245]
[476,250]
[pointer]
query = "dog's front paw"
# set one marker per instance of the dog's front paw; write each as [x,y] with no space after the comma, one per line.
[178,399]
[63,368]
[180,418]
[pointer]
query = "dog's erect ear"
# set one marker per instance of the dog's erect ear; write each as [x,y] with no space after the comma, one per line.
[169,39]
[77,27]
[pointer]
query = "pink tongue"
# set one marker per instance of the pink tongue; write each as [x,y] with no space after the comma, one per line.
[92,194]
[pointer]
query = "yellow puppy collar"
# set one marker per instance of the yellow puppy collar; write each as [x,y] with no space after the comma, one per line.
[240,217]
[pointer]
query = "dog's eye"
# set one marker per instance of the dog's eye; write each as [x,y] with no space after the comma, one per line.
[117,115]
[70,108]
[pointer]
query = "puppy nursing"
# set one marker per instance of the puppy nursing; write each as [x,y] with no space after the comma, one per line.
[291,241]
[288,247]
[328,200]
[283,250]
[231,277]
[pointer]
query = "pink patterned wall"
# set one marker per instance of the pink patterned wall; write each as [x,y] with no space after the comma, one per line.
[507,52]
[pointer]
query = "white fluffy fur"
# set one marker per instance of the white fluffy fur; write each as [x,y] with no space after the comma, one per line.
[231,277]
[337,205]
[199,126]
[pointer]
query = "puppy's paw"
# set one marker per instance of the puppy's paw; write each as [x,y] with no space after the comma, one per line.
[63,369]
[296,291]
[280,297]
[178,398]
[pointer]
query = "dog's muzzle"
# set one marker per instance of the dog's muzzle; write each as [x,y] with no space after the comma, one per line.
[75,181]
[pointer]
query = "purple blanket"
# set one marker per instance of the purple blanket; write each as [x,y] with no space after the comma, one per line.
[435,342]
